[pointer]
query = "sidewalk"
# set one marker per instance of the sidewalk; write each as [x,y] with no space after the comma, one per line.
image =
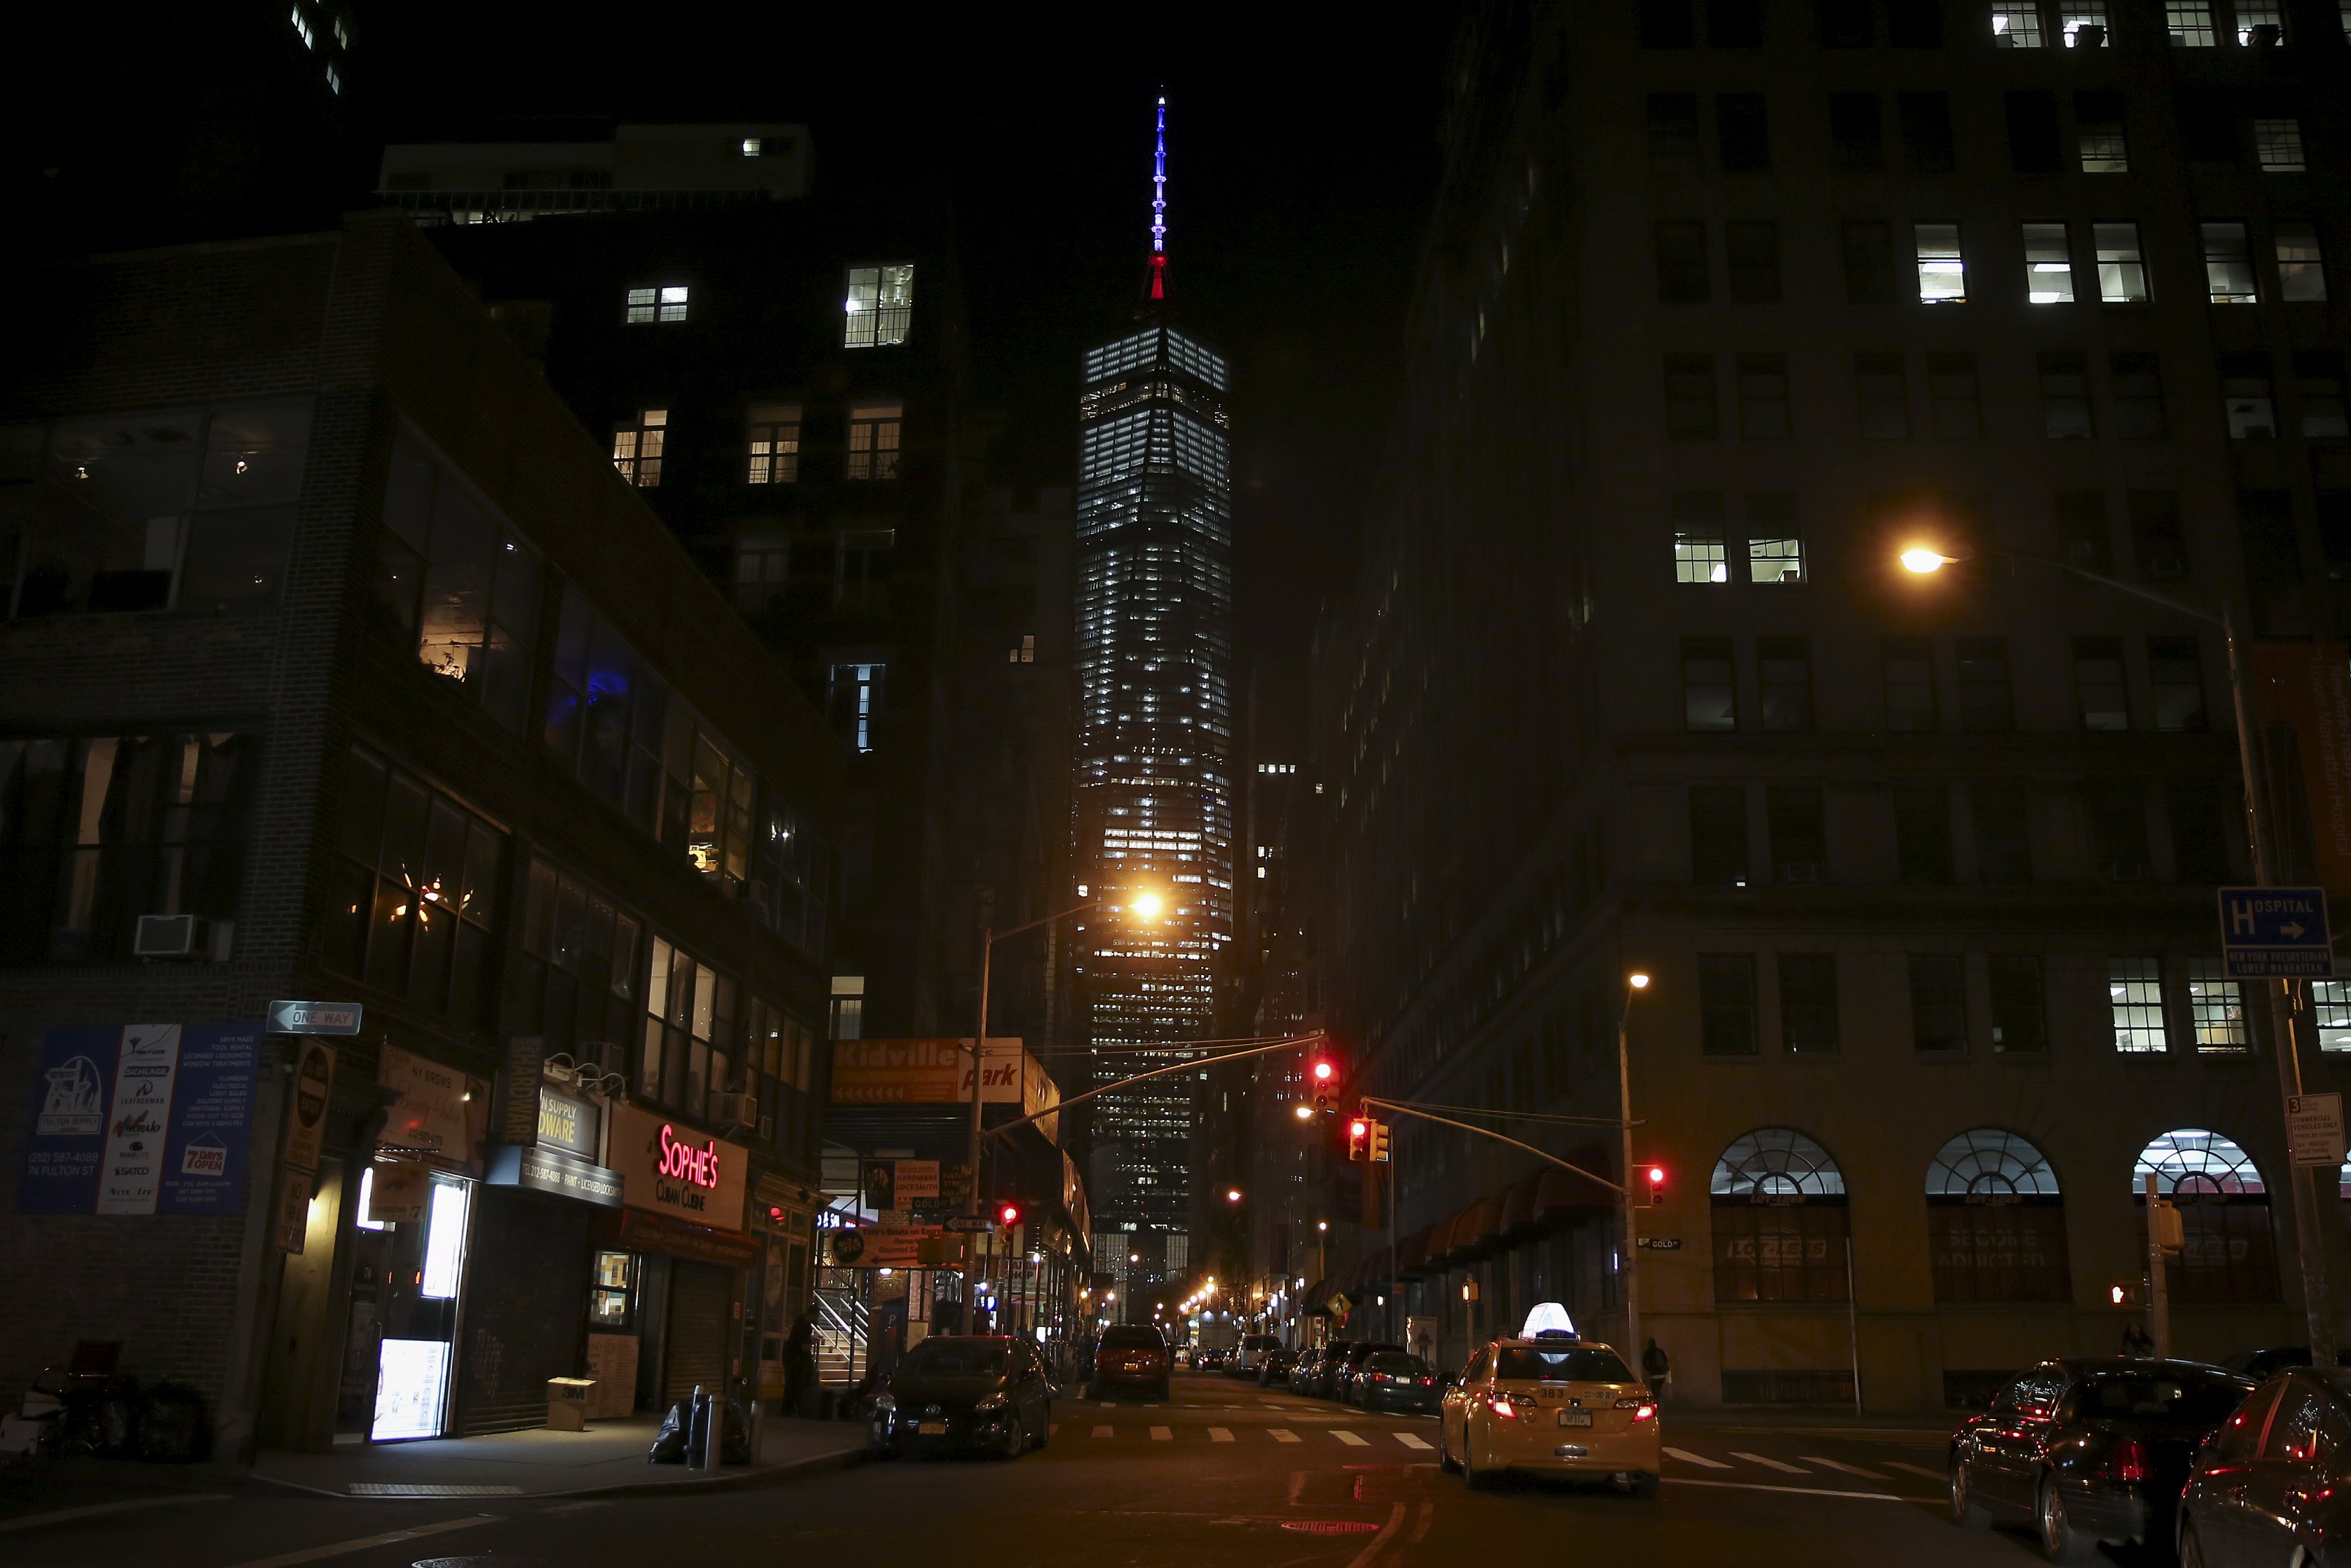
[606,1460]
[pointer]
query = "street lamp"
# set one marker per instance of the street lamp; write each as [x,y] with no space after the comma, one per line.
[1232,1195]
[1924,561]
[1635,983]
[1146,906]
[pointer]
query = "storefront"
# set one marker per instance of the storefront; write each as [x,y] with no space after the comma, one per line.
[666,1287]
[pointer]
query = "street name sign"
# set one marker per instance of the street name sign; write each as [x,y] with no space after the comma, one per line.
[1659,1243]
[2313,1130]
[314,1018]
[2275,933]
[969,1225]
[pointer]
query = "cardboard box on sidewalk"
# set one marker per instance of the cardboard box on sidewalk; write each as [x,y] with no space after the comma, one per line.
[568,1403]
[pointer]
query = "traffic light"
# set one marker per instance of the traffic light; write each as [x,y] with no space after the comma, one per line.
[1379,1143]
[1359,1138]
[1653,1186]
[1324,1077]
[1009,1216]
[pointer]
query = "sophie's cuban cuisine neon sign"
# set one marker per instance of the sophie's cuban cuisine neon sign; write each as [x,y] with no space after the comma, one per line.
[683,1161]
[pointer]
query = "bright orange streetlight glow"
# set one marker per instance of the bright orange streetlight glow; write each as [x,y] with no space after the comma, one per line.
[1147,905]
[1921,560]
[1637,981]
[1304,1113]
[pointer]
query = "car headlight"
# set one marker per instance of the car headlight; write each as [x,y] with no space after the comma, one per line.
[994,1404]
[885,1403]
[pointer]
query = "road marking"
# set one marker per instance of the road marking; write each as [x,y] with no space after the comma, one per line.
[1396,1522]
[1795,1490]
[1102,1431]
[98,1510]
[1427,1517]
[1917,1470]
[1283,1435]
[338,1549]
[1780,1465]
[1411,1440]
[1107,1404]
[1690,1458]
[1163,1434]
[428,1489]
[1297,1486]
[1351,1439]
[1220,1434]
[1841,1465]
[579,1507]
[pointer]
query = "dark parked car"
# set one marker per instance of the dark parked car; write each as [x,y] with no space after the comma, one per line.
[2263,1363]
[1301,1371]
[1131,1355]
[964,1392]
[2269,1488]
[1343,1376]
[2088,1451]
[1273,1366]
[1393,1380]
[1326,1371]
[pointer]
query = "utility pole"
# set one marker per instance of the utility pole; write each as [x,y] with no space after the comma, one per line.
[2162,1219]
[1635,983]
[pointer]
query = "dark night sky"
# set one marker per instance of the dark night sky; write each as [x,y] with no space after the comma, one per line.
[1302,160]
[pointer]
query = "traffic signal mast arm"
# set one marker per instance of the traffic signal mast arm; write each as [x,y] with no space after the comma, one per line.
[1411,1110]
[1291,1043]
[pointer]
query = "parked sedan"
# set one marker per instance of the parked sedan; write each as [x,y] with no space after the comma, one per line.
[987,1393]
[1326,1366]
[2269,1486]
[1301,1371]
[1131,1355]
[1343,1374]
[2086,1450]
[1394,1380]
[1273,1366]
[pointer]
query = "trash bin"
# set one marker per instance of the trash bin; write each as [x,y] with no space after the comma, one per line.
[568,1403]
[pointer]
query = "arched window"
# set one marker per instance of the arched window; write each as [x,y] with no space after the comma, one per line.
[1997,1221]
[2230,1253]
[1780,1223]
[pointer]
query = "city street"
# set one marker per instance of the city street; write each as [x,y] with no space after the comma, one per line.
[1225,1474]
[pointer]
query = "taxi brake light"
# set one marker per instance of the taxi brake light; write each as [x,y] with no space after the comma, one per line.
[1501,1405]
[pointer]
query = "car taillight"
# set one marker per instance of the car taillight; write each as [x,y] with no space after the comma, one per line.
[1501,1405]
[2129,1462]
[1424,1382]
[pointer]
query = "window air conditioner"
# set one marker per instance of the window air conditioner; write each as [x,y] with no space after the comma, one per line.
[739,1110]
[171,937]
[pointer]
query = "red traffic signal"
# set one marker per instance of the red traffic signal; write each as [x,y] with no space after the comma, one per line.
[1653,1185]
[1009,1215]
[1359,1138]
[1324,1077]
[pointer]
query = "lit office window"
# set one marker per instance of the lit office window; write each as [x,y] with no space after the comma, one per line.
[2278,144]
[637,448]
[2260,23]
[2016,24]
[2216,1007]
[2135,996]
[1775,543]
[2083,23]
[1942,275]
[880,306]
[773,444]
[2048,265]
[303,31]
[855,700]
[1699,553]
[2190,22]
[2122,265]
[2302,270]
[2330,999]
[752,146]
[848,1007]
[874,435]
[2229,264]
[665,302]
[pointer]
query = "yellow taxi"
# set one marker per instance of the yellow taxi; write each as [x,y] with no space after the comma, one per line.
[1550,1402]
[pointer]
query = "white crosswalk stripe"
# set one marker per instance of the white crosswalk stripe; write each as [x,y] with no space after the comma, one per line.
[1163,1434]
[1917,1470]
[1411,1440]
[1283,1435]
[1220,1434]
[1770,1464]
[1102,1431]
[1699,1459]
[1350,1438]
[1841,1465]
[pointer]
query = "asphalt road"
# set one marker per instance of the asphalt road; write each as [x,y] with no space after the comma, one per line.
[1223,1476]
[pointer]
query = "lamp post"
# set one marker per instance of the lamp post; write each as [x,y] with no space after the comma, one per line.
[1635,983]
[1147,905]
[2253,764]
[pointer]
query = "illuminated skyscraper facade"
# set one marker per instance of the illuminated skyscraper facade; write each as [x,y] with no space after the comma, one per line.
[1155,785]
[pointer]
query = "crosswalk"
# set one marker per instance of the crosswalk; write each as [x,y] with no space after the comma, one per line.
[1811,1465]
[1108,1430]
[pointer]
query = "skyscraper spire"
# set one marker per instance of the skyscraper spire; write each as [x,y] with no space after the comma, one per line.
[1159,208]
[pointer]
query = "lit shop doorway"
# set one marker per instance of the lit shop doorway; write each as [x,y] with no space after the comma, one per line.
[408,1277]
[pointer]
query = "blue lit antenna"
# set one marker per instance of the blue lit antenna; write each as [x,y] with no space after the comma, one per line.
[1159,208]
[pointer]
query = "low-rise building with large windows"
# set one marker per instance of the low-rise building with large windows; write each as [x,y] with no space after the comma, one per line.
[338,668]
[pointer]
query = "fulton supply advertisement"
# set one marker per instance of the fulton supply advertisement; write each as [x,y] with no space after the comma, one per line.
[142,1118]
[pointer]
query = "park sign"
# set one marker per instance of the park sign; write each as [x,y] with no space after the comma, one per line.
[2275,933]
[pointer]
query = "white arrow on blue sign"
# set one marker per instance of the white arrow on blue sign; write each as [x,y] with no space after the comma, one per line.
[2275,933]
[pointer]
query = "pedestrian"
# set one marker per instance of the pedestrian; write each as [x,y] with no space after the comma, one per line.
[1657,1367]
[799,1364]
[2136,1340]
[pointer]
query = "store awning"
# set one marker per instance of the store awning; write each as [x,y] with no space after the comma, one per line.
[1562,1196]
[1479,1231]
[1519,1210]
[1412,1255]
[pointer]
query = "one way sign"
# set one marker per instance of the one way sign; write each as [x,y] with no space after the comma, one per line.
[2275,933]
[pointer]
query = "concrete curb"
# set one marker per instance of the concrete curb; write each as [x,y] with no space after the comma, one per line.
[747,1479]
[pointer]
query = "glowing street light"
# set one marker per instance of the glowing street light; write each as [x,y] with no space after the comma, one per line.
[1637,981]
[1147,905]
[1921,560]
